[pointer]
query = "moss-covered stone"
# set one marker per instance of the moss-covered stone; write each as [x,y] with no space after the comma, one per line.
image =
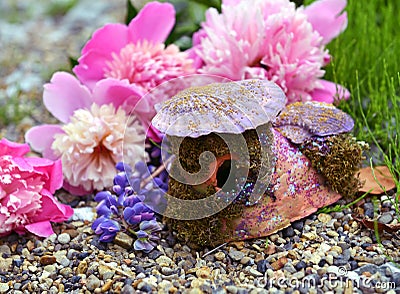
[337,158]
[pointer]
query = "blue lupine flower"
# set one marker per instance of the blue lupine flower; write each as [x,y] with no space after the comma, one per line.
[128,206]
[146,235]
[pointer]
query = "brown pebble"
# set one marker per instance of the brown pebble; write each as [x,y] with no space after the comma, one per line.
[107,286]
[30,245]
[238,244]
[203,272]
[280,263]
[72,233]
[82,267]
[271,249]
[47,259]
[127,261]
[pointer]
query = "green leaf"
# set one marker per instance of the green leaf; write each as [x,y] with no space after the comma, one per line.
[72,61]
[131,12]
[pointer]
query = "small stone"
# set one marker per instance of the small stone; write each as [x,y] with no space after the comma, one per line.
[369,213]
[82,267]
[65,272]
[255,273]
[127,289]
[332,234]
[107,286]
[4,249]
[288,232]
[245,260]
[47,259]
[50,268]
[300,265]
[289,268]
[203,272]
[386,218]
[236,255]
[231,289]
[219,256]
[280,263]
[310,236]
[92,282]
[105,272]
[5,263]
[298,225]
[167,271]
[262,266]
[164,260]
[324,218]
[4,287]
[64,238]
[336,249]
[123,240]
[329,259]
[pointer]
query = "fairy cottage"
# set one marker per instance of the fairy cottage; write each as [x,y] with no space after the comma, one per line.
[246,166]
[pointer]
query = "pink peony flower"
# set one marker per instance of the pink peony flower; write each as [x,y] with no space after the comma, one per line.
[92,138]
[135,53]
[273,40]
[27,185]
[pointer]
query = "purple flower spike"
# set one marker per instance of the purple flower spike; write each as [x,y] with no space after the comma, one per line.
[301,121]
[120,166]
[143,245]
[107,197]
[146,235]
[120,179]
[107,226]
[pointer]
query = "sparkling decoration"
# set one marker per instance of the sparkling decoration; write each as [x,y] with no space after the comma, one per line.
[221,108]
[301,121]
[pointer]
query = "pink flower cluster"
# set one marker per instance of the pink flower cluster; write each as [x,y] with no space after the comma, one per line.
[27,185]
[121,64]
[104,112]
[271,39]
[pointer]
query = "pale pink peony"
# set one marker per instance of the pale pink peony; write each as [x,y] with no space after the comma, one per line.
[92,138]
[135,52]
[27,185]
[271,39]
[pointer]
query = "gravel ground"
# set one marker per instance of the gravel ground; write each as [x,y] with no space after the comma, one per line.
[325,253]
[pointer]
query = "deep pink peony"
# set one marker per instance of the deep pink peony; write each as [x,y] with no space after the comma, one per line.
[91,138]
[271,39]
[135,52]
[27,185]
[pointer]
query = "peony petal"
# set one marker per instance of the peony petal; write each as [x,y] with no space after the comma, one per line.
[41,229]
[12,148]
[153,23]
[52,210]
[230,2]
[327,18]
[64,94]
[41,138]
[52,169]
[117,92]
[100,40]
[329,92]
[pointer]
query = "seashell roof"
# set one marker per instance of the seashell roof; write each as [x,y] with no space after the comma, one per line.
[232,108]
[301,121]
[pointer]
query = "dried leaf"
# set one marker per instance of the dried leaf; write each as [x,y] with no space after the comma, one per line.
[380,226]
[383,176]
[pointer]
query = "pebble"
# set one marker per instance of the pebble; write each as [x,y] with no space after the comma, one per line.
[64,238]
[92,282]
[235,254]
[386,218]
[4,287]
[219,256]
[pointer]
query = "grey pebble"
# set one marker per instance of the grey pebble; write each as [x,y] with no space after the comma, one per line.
[386,218]
[92,282]
[235,255]
[64,238]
